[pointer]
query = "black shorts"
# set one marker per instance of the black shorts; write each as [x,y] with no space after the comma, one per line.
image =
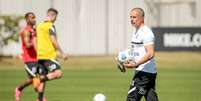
[143,84]
[49,65]
[31,69]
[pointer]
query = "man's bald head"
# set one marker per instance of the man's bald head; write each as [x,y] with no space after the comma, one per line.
[137,17]
[140,11]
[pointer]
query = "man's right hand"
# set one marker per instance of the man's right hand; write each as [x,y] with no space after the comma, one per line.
[62,55]
[65,56]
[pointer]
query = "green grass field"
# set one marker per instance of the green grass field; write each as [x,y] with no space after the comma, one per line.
[179,79]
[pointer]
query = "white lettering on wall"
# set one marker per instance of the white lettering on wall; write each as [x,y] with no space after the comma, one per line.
[182,40]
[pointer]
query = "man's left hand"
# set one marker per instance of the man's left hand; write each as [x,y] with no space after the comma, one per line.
[131,64]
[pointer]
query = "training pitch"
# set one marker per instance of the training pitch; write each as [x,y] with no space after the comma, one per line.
[179,79]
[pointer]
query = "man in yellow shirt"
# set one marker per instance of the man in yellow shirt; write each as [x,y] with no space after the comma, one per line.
[48,49]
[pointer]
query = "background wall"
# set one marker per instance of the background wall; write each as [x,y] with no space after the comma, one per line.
[102,27]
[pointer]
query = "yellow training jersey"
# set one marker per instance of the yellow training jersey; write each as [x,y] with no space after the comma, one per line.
[45,48]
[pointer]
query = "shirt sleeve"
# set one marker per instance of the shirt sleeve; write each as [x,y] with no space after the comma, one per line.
[53,31]
[148,38]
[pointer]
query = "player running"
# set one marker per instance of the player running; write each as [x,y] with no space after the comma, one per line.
[28,37]
[47,47]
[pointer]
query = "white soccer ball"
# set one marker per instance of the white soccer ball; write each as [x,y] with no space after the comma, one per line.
[123,56]
[99,97]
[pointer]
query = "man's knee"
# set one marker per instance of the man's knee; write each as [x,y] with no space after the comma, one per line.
[58,73]
[151,95]
[133,95]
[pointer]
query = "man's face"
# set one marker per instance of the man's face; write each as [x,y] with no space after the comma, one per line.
[136,19]
[31,19]
[52,16]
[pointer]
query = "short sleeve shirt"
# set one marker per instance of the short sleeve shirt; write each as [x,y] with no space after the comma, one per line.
[142,37]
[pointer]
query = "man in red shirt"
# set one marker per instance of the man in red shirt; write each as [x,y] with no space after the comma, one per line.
[29,56]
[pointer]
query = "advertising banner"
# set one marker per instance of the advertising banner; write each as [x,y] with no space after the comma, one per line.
[177,39]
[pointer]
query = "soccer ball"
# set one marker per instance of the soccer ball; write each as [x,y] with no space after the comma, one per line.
[123,56]
[99,97]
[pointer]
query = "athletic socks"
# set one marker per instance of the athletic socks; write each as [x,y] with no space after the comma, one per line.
[40,96]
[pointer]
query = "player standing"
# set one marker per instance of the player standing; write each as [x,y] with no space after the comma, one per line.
[28,37]
[48,46]
[143,83]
